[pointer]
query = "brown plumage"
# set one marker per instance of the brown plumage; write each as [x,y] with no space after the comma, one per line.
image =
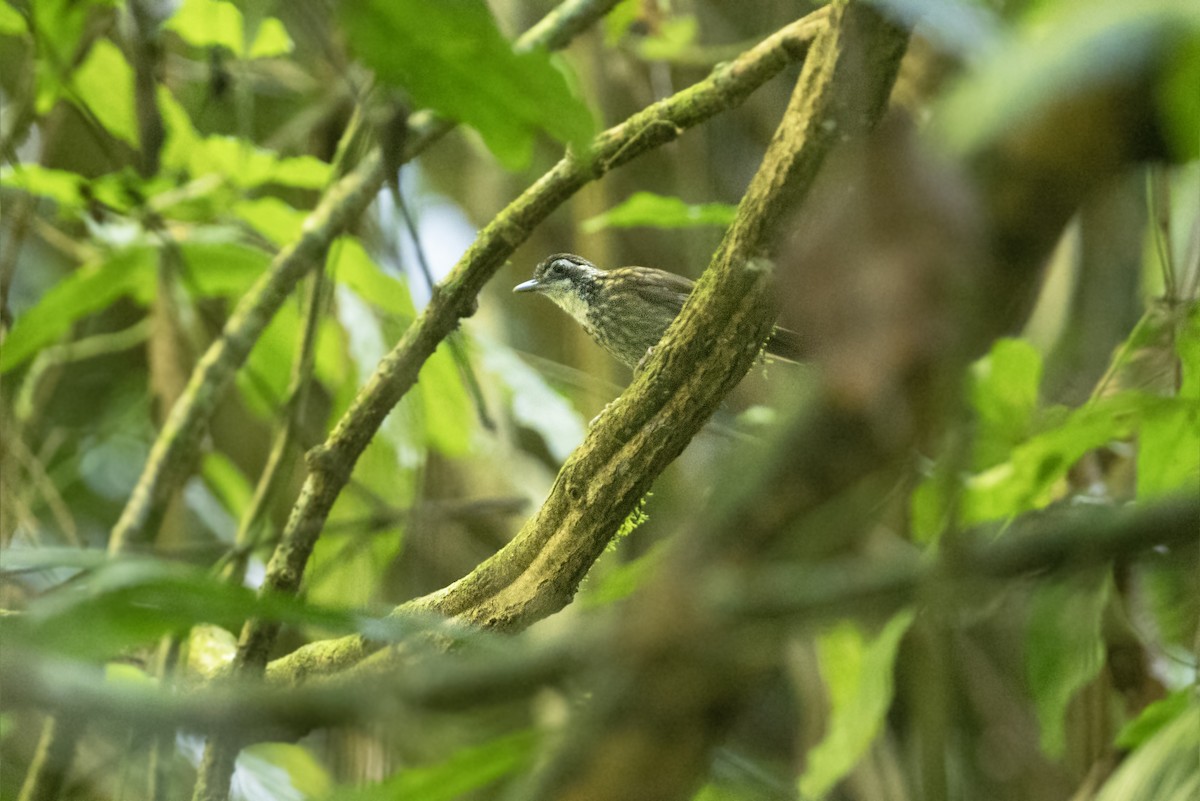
[626,310]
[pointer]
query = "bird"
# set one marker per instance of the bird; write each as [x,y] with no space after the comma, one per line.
[626,310]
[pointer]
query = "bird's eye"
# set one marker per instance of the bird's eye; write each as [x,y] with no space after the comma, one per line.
[559,267]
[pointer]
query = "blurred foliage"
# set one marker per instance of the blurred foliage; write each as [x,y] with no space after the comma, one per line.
[113,282]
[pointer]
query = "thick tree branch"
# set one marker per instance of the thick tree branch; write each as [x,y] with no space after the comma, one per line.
[684,671]
[725,88]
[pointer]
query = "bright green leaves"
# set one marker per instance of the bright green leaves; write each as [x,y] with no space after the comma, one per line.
[215,23]
[61,186]
[1004,392]
[1022,452]
[659,211]
[1153,718]
[1169,449]
[1064,651]
[857,670]
[239,162]
[450,56]
[1028,479]
[103,87]
[58,27]
[213,269]
[85,291]
[11,22]
[1169,445]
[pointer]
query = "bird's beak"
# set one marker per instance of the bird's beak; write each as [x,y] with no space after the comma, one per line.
[529,286]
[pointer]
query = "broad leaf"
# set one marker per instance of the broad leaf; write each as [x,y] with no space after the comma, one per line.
[1004,392]
[858,672]
[1028,479]
[1065,651]
[352,266]
[276,220]
[658,211]
[447,415]
[87,290]
[103,87]
[11,22]
[450,56]
[1153,718]
[61,186]
[215,23]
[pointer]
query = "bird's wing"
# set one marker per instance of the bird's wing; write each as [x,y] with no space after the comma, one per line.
[666,290]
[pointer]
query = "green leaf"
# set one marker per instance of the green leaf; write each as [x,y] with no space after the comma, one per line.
[1027,480]
[103,85]
[208,23]
[1167,580]
[616,22]
[89,289]
[227,482]
[858,672]
[127,603]
[264,382]
[446,410]
[720,792]
[1187,347]
[58,27]
[674,37]
[658,211]
[1064,651]
[622,580]
[11,22]
[181,137]
[215,23]
[468,769]
[1153,718]
[247,166]
[271,40]
[1168,457]
[450,56]
[276,220]
[1067,49]
[222,269]
[61,186]
[1163,768]
[354,267]
[1004,393]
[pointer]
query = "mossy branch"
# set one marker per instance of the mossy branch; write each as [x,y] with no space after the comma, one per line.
[330,465]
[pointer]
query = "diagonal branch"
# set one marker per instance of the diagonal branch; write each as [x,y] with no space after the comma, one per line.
[331,464]
[174,452]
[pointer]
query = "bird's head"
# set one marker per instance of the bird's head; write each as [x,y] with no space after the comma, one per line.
[567,279]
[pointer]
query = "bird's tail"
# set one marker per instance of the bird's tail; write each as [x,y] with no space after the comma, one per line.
[785,344]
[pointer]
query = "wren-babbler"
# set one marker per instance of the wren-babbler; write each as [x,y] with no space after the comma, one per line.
[626,310]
